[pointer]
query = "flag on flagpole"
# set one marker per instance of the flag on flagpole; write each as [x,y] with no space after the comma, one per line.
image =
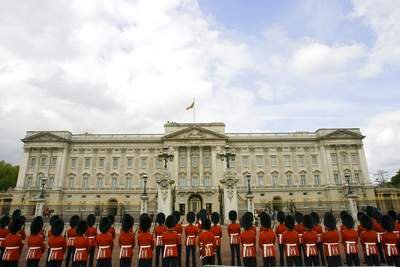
[191,106]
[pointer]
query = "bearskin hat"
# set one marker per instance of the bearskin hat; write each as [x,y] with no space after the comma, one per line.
[281,216]
[81,228]
[145,222]
[177,215]
[366,222]
[111,218]
[22,218]
[347,220]
[330,221]
[215,217]
[289,222]
[377,215]
[127,223]
[232,215]
[392,214]
[298,216]
[16,214]
[342,213]
[398,217]
[74,220]
[206,224]
[308,221]
[57,227]
[5,221]
[36,225]
[160,218]
[315,217]
[104,225]
[91,220]
[15,226]
[250,215]
[170,222]
[53,219]
[202,214]
[369,210]
[190,217]
[387,223]
[359,215]
[265,220]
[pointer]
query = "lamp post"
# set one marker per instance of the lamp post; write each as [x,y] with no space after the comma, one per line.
[248,178]
[41,198]
[347,177]
[351,197]
[165,156]
[228,156]
[144,197]
[249,195]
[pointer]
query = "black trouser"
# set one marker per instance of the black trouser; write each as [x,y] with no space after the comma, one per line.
[70,253]
[159,252]
[91,256]
[104,262]
[144,262]
[10,264]
[170,262]
[54,263]
[208,260]
[218,253]
[311,260]
[281,255]
[249,262]
[320,249]
[333,261]
[179,255]
[190,249]
[32,263]
[352,260]
[301,253]
[125,262]
[381,254]
[79,264]
[235,252]
[393,260]
[269,262]
[293,261]
[372,260]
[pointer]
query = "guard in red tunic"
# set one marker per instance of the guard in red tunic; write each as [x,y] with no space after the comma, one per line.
[368,240]
[111,231]
[36,245]
[290,240]
[206,242]
[170,241]
[145,242]
[350,241]
[299,228]
[318,229]
[191,232]
[360,228]
[248,241]
[91,235]
[393,214]
[104,244]
[342,226]
[266,240]
[4,222]
[71,235]
[81,246]
[390,241]
[179,230]
[234,238]
[217,231]
[126,241]
[51,221]
[158,232]
[376,224]
[13,244]
[330,239]
[279,230]
[310,240]
[57,244]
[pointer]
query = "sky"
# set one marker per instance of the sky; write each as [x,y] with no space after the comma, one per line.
[259,66]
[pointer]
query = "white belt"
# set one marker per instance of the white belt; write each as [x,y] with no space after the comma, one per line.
[5,256]
[188,238]
[288,247]
[390,248]
[379,236]
[123,251]
[31,250]
[92,236]
[51,252]
[70,241]
[78,250]
[266,248]
[166,247]
[143,251]
[330,245]
[280,238]
[367,247]
[159,240]
[349,245]
[308,248]
[102,251]
[233,236]
[207,250]
[246,249]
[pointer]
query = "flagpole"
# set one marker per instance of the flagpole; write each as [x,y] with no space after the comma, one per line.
[194,111]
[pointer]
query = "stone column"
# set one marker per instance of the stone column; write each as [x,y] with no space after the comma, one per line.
[250,202]
[39,207]
[353,205]
[326,166]
[164,200]
[22,169]
[143,203]
[188,167]
[363,164]
[201,173]
[230,193]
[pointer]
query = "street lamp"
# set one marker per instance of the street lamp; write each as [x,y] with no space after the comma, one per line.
[248,178]
[228,156]
[144,197]
[347,177]
[144,177]
[165,156]
[43,180]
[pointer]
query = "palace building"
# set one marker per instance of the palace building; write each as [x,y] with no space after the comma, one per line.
[103,173]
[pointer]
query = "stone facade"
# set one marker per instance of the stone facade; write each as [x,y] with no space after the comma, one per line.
[103,172]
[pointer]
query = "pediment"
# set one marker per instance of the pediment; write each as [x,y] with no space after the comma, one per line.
[44,137]
[343,134]
[195,133]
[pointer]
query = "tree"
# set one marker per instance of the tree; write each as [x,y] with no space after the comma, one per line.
[8,175]
[381,178]
[395,180]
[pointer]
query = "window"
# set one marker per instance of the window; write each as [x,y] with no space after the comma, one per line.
[71,182]
[129,163]
[195,181]
[260,179]
[33,162]
[73,163]
[286,160]
[274,180]
[115,163]
[50,183]
[158,163]
[245,161]
[354,158]
[182,180]
[317,179]
[334,158]
[114,182]
[207,180]
[128,183]
[300,160]
[182,162]
[336,178]
[99,182]
[344,158]
[143,163]
[289,179]
[101,163]
[259,161]
[303,179]
[87,163]
[43,161]
[85,182]
[207,162]
[357,177]
[29,182]
[314,159]
[195,161]
[53,161]
[273,161]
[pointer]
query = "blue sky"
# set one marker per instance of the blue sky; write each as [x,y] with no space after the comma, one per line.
[129,66]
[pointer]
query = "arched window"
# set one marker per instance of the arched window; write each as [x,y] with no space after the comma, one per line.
[261,180]
[85,182]
[128,181]
[71,181]
[195,181]
[289,179]
[182,180]
[207,179]
[275,179]
[303,179]
[114,182]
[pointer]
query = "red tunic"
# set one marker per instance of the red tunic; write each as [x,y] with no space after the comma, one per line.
[310,240]
[262,229]
[22,233]
[217,231]
[57,246]
[266,241]
[318,229]
[81,245]
[279,230]
[397,229]
[331,243]
[389,243]
[290,239]
[104,243]
[126,242]
[234,233]
[360,229]
[71,234]
[379,231]
[3,233]
[179,230]
[299,228]
[49,233]
[248,241]
[170,241]
[368,240]
[91,235]
[191,232]
[206,244]
[342,227]
[13,247]
[158,232]
[111,231]
[350,241]
[36,247]
[146,244]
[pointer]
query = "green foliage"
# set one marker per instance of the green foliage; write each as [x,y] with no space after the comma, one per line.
[395,180]
[8,175]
